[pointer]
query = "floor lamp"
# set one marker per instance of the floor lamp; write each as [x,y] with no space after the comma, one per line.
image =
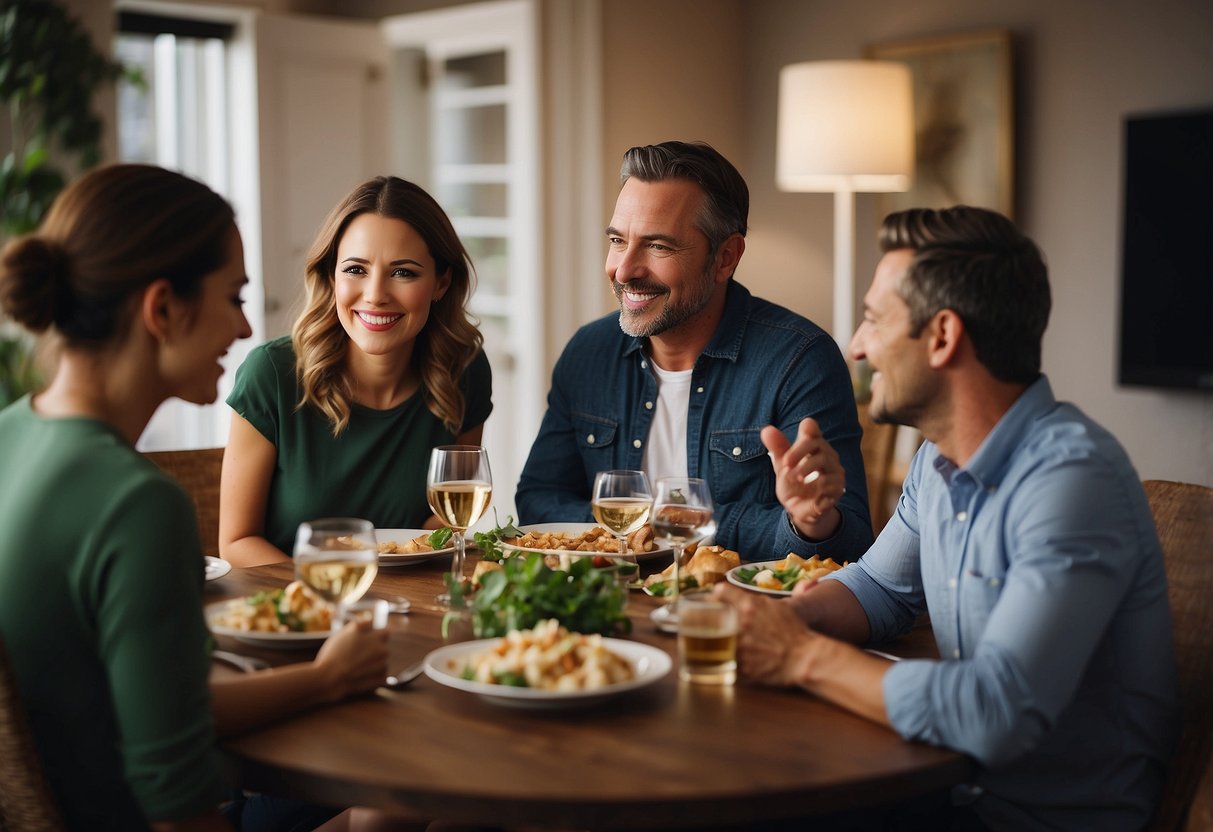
[845,127]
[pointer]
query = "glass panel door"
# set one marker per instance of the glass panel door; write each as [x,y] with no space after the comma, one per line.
[472,80]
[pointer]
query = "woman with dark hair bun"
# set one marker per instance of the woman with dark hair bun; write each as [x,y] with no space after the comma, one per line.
[135,276]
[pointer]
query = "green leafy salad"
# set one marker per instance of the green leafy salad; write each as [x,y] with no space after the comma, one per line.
[440,538]
[489,542]
[526,591]
[662,588]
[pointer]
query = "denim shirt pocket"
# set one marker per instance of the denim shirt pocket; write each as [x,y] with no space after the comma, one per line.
[594,434]
[740,468]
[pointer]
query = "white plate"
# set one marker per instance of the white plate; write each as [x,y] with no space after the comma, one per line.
[665,618]
[732,578]
[216,568]
[573,530]
[403,536]
[260,639]
[446,664]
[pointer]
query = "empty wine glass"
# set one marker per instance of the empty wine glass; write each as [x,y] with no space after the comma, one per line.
[682,514]
[337,558]
[459,487]
[622,502]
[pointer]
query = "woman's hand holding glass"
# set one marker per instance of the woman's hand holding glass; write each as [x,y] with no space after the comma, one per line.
[337,558]
[459,486]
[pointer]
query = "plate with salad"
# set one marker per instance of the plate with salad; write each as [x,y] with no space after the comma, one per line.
[408,547]
[779,577]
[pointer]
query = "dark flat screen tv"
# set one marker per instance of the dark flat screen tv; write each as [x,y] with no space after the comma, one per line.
[1166,298]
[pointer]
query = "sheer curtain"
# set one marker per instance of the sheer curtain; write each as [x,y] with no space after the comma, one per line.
[179,118]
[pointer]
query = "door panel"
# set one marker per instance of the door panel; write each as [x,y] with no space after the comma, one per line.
[323,129]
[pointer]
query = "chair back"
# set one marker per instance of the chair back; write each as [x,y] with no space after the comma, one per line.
[879,448]
[198,471]
[26,803]
[1183,514]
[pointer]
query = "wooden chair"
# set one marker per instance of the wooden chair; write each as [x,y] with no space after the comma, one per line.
[1200,813]
[26,803]
[879,448]
[198,471]
[1183,514]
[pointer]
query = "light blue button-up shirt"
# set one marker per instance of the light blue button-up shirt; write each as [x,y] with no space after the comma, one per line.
[1041,570]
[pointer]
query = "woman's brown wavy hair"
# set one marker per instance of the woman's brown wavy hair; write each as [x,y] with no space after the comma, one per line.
[443,349]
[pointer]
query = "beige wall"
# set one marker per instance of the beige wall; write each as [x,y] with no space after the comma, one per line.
[671,70]
[707,69]
[1081,66]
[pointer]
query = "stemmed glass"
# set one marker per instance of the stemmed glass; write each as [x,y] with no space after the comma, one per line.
[622,502]
[337,558]
[682,514]
[459,487]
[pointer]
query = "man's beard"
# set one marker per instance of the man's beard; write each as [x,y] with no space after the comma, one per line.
[670,315]
[907,411]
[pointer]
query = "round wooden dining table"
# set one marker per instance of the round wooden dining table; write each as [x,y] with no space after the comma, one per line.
[669,755]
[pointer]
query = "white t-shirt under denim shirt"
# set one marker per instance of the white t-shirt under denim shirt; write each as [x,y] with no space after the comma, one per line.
[665,453]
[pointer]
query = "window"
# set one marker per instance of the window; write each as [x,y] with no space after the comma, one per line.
[181,118]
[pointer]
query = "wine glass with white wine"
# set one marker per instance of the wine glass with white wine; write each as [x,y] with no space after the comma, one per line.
[337,558]
[459,487]
[682,514]
[622,502]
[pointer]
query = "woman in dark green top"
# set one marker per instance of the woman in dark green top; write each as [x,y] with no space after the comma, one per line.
[383,365]
[137,273]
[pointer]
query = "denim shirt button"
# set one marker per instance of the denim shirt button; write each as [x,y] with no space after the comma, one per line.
[644,365]
[737,451]
[956,653]
[589,440]
[635,443]
[698,389]
[648,405]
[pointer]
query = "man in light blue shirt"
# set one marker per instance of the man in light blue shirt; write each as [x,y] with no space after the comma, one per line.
[1022,529]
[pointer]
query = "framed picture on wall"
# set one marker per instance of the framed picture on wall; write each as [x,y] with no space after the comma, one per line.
[963,120]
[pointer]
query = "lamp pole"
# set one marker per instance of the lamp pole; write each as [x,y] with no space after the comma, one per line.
[844,267]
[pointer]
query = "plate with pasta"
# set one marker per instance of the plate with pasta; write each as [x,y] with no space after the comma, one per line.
[568,539]
[547,667]
[286,617]
[408,547]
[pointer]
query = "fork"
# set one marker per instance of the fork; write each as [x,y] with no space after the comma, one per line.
[402,678]
[249,664]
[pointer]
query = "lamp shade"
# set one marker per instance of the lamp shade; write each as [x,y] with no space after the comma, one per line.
[845,126]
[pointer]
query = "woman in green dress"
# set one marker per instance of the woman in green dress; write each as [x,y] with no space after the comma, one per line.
[136,276]
[383,365]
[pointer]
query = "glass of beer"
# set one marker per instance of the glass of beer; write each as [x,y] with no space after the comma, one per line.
[707,640]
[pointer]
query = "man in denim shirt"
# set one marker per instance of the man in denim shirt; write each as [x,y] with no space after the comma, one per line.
[681,381]
[1024,531]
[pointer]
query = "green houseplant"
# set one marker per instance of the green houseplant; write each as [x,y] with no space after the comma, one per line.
[49,72]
